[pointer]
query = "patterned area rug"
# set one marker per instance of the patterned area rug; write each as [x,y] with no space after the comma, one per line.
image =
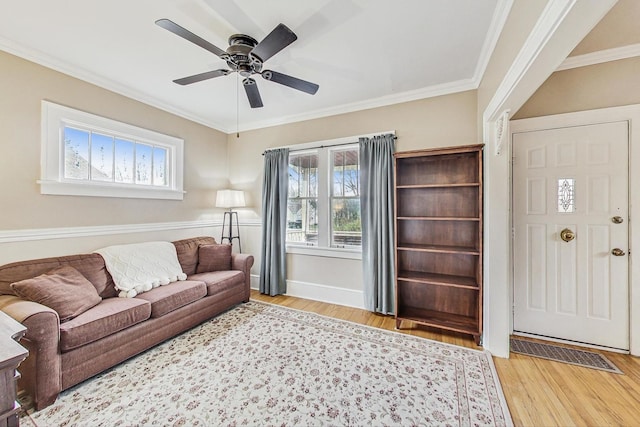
[587,359]
[261,364]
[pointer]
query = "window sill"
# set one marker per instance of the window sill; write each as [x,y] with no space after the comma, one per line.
[325,252]
[97,190]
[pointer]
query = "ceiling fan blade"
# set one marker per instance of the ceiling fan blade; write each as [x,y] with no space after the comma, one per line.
[253,93]
[276,40]
[188,35]
[293,82]
[202,76]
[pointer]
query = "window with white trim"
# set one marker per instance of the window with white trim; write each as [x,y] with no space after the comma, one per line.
[88,155]
[324,198]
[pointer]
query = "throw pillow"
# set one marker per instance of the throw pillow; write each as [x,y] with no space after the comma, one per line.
[63,289]
[214,258]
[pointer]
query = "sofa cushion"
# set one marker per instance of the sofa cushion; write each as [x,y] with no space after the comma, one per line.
[220,281]
[214,258]
[90,266]
[108,317]
[167,298]
[62,289]
[187,250]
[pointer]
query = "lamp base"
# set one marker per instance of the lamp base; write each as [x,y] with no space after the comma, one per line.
[230,237]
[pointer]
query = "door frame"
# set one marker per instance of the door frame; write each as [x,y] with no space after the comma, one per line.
[613,114]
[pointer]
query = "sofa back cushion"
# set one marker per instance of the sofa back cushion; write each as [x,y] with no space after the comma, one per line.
[91,266]
[214,258]
[63,289]
[187,250]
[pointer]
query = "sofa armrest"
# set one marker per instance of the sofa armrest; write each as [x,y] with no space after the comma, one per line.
[41,370]
[243,262]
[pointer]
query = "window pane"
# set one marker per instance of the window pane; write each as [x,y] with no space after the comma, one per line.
[345,222]
[101,157]
[302,221]
[144,154]
[313,177]
[338,173]
[303,175]
[294,181]
[124,161]
[345,174]
[351,180]
[76,153]
[160,166]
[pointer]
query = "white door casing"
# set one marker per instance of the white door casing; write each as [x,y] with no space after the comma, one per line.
[575,290]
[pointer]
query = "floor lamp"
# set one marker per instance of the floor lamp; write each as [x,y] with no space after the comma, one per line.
[229,199]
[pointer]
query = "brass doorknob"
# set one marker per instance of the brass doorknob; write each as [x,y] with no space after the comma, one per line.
[617,252]
[567,235]
[617,220]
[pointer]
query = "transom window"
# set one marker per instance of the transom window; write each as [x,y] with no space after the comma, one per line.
[324,197]
[88,155]
[94,156]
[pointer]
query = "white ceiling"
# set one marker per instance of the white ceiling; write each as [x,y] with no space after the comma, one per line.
[362,53]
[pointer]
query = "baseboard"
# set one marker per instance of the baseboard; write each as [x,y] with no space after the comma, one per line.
[319,292]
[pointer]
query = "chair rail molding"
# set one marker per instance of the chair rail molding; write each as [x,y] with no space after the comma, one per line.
[24,235]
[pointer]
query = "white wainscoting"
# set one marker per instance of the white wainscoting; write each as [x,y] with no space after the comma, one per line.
[318,292]
[22,244]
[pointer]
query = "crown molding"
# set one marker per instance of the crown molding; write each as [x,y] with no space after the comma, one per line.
[397,98]
[498,21]
[499,18]
[55,64]
[49,61]
[600,57]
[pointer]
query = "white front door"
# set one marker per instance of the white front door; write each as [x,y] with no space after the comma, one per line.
[571,233]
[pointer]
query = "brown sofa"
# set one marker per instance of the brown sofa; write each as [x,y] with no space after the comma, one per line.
[62,355]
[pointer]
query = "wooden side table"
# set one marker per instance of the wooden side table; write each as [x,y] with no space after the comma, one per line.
[11,355]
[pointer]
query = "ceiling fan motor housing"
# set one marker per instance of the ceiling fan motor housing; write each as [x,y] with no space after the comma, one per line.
[239,55]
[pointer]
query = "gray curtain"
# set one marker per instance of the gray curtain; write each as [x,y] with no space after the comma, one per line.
[376,205]
[275,185]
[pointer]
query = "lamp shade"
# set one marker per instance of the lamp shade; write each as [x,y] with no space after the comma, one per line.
[230,199]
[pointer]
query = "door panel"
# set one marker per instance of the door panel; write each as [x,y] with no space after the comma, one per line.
[572,179]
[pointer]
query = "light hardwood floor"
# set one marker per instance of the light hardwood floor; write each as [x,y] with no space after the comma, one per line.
[539,392]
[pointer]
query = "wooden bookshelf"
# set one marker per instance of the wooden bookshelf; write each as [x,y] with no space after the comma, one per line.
[438,219]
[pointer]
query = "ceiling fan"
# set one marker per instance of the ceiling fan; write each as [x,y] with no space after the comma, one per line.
[245,56]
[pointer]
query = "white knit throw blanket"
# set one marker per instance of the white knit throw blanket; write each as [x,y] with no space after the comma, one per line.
[139,267]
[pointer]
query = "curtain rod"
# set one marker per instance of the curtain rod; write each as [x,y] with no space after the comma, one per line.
[323,146]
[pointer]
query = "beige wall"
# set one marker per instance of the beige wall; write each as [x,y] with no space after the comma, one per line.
[609,84]
[23,85]
[604,85]
[435,122]
[618,28]
[523,16]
